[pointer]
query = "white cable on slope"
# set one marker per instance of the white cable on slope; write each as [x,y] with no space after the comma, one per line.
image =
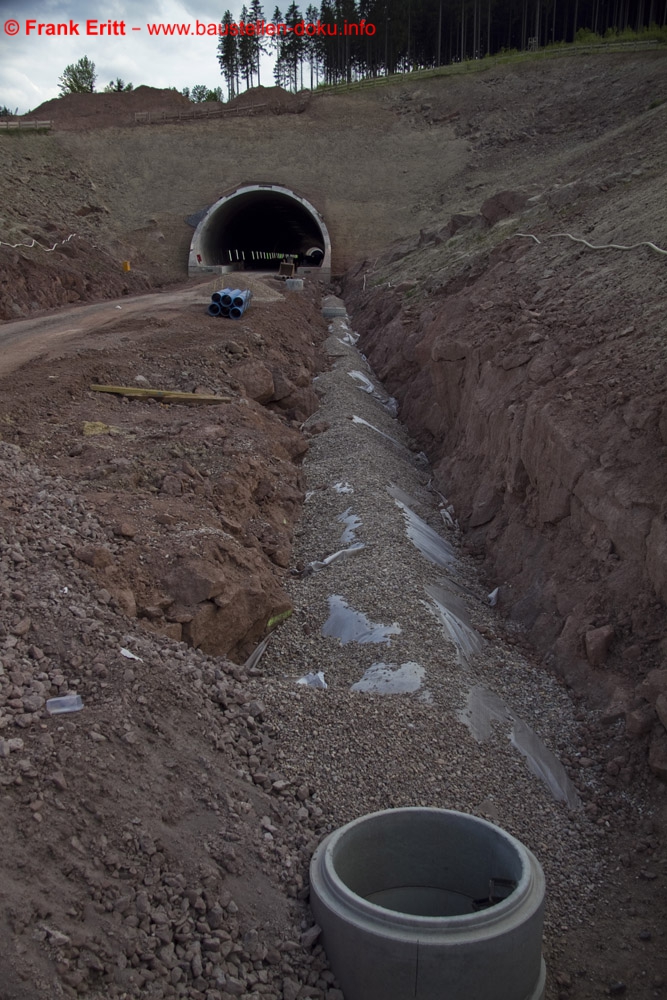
[593,246]
[34,243]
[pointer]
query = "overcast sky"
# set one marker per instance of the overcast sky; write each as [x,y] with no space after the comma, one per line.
[31,65]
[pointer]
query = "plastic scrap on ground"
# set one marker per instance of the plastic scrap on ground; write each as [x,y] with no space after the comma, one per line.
[348,625]
[128,654]
[323,563]
[67,703]
[314,680]
[351,522]
[451,613]
[484,707]
[436,549]
[390,678]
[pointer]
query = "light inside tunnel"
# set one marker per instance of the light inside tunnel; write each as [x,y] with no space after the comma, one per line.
[256,228]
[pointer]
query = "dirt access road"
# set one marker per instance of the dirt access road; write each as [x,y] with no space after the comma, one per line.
[42,335]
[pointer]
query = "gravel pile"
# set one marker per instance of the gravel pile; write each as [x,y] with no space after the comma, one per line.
[151,845]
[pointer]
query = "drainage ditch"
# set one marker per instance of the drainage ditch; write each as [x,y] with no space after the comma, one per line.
[375,678]
[438,630]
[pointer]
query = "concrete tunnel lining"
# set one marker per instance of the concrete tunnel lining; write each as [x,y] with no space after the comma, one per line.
[259,217]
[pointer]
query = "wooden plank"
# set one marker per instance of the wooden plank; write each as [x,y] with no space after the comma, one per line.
[162,395]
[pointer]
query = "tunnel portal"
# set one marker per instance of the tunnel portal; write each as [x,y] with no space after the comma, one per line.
[258,226]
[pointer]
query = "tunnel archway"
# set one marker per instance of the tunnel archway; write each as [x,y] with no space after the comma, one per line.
[257,226]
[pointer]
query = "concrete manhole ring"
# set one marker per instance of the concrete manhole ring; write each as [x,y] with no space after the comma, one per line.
[430,903]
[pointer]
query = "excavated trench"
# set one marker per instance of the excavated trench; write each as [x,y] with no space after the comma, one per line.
[442,607]
[417,693]
[539,400]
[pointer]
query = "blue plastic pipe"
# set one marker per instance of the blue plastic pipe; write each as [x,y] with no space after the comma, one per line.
[229,296]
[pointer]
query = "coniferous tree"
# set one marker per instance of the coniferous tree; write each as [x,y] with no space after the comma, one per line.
[258,47]
[294,46]
[281,69]
[326,44]
[246,53]
[417,34]
[312,16]
[228,55]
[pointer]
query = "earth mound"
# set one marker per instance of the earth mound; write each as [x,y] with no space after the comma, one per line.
[80,110]
[273,99]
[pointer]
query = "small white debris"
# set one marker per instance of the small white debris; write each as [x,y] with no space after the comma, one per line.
[68,703]
[322,563]
[128,654]
[493,597]
[314,681]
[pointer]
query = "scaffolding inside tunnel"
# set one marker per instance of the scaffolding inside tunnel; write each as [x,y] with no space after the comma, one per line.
[257,227]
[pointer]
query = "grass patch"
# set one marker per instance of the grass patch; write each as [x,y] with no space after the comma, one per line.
[24,131]
[585,39]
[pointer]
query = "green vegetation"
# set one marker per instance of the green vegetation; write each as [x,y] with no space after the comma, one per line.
[369,40]
[653,33]
[239,55]
[505,57]
[24,132]
[200,93]
[118,86]
[78,78]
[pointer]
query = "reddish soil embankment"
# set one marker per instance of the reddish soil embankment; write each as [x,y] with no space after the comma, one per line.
[77,111]
[536,385]
[215,487]
[64,271]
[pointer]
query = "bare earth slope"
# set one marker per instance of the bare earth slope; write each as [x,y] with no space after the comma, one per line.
[532,370]
[378,164]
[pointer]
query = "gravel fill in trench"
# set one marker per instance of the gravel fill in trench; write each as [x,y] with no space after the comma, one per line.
[366,751]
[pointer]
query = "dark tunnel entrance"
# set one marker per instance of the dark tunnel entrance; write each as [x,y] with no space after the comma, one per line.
[258,227]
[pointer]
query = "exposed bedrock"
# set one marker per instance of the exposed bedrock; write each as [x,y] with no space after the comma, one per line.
[538,392]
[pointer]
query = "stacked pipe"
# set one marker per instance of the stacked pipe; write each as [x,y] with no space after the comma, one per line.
[229,302]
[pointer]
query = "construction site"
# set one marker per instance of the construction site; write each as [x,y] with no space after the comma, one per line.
[333,464]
